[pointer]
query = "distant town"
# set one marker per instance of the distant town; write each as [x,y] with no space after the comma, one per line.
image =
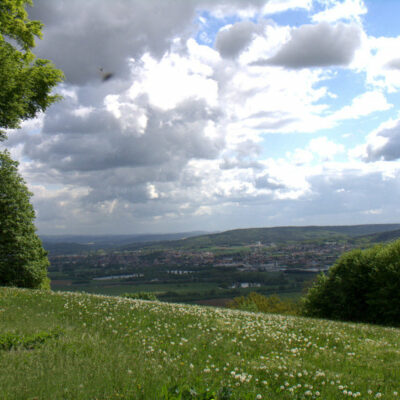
[211,267]
[311,257]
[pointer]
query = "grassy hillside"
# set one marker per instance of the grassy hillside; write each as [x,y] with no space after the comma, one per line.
[77,346]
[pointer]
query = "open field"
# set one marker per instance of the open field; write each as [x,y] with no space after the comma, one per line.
[79,346]
[188,292]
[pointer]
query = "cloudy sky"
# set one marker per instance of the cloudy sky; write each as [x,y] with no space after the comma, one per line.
[220,114]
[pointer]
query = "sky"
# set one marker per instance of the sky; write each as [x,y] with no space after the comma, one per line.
[220,114]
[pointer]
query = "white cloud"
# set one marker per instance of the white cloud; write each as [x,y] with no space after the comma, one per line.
[381,144]
[277,6]
[300,156]
[83,111]
[173,80]
[325,149]
[152,192]
[263,100]
[362,105]
[320,148]
[376,57]
[345,10]
[376,211]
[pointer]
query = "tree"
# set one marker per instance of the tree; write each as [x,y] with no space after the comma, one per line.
[23,261]
[25,81]
[362,286]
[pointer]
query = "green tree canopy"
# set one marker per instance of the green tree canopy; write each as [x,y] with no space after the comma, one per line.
[363,285]
[25,90]
[25,81]
[23,261]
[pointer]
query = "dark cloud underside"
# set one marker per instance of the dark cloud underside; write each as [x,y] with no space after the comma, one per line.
[319,45]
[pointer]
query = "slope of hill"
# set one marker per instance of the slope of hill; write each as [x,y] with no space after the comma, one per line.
[239,237]
[79,346]
[75,244]
[383,237]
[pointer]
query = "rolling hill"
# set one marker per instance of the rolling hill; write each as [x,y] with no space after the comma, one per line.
[74,244]
[240,237]
[383,236]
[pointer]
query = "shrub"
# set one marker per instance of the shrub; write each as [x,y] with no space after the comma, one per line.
[362,286]
[258,303]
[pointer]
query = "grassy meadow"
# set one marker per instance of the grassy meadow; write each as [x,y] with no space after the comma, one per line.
[56,345]
[188,292]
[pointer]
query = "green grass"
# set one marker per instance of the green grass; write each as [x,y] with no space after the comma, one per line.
[99,347]
[187,292]
[114,287]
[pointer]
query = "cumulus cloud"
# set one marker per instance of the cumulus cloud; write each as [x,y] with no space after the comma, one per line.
[176,139]
[382,144]
[376,59]
[324,148]
[300,156]
[81,38]
[318,148]
[233,39]
[123,153]
[100,141]
[395,63]
[318,45]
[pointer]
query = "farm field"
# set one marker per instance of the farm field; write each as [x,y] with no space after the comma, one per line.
[56,345]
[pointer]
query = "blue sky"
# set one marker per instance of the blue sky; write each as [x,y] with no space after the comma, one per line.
[381,19]
[220,115]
